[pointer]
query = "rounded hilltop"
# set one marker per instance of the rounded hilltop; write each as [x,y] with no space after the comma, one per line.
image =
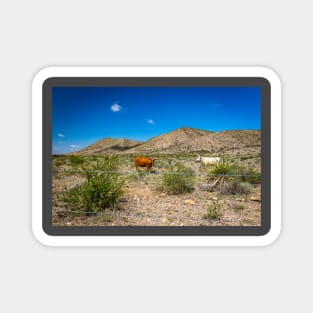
[181,140]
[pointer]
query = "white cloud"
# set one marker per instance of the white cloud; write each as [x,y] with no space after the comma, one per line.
[74,146]
[115,107]
[150,121]
[61,135]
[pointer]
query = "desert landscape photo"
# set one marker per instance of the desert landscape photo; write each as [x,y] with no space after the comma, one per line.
[156,156]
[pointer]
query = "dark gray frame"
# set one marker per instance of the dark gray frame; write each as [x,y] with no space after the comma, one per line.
[157,82]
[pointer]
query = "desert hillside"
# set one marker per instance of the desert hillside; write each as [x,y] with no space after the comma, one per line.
[109,145]
[181,140]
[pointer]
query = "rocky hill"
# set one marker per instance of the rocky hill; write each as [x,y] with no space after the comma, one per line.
[109,145]
[181,140]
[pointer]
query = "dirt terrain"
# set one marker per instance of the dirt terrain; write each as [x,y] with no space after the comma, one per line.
[145,207]
[143,204]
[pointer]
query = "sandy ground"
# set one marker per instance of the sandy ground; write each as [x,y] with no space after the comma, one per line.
[144,205]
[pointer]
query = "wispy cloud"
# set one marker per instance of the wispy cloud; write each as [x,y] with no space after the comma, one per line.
[150,121]
[115,107]
[74,146]
[61,135]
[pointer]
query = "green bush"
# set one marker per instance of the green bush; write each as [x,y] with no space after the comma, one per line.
[237,169]
[59,160]
[76,160]
[102,188]
[253,177]
[179,180]
[240,184]
[247,174]
[213,211]
[236,186]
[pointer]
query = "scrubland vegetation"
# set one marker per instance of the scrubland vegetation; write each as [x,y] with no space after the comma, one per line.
[102,187]
[106,190]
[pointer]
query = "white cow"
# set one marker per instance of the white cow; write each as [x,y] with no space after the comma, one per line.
[208,160]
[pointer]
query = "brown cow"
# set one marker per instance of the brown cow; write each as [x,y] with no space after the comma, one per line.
[144,162]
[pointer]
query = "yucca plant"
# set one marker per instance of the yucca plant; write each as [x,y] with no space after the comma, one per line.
[221,168]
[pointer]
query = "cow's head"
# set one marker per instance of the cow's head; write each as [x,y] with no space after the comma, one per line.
[153,159]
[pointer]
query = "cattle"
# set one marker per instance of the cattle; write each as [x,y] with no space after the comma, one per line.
[208,160]
[141,161]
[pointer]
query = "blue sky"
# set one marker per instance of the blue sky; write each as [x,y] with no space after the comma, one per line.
[83,115]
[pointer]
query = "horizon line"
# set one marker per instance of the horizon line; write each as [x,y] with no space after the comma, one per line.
[144,141]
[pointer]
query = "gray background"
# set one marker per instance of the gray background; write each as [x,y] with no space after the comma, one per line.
[36,34]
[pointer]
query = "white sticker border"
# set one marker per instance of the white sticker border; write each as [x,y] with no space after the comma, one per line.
[276,148]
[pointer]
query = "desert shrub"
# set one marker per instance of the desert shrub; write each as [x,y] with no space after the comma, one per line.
[59,160]
[93,158]
[247,174]
[179,180]
[76,160]
[253,177]
[236,186]
[213,211]
[140,175]
[102,188]
[236,169]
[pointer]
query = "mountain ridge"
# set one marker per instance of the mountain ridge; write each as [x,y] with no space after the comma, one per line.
[180,140]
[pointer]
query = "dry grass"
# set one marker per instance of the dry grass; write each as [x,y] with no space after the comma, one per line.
[144,204]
